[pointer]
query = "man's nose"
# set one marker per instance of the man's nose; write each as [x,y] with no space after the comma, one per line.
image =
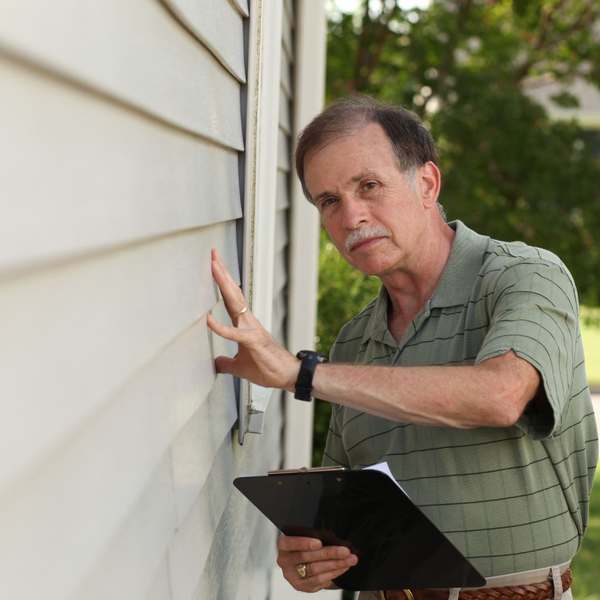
[355,212]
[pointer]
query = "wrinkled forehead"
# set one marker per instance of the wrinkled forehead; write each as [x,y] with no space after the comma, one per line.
[352,132]
[366,144]
[366,139]
[344,160]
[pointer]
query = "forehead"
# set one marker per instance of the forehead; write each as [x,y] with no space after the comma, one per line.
[366,149]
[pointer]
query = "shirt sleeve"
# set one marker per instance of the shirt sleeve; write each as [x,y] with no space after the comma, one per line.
[533,310]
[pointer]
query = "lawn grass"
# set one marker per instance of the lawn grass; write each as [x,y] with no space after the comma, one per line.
[586,564]
[590,335]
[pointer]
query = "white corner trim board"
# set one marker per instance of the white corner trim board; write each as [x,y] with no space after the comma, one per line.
[260,184]
[309,84]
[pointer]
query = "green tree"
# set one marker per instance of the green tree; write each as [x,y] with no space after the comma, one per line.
[508,170]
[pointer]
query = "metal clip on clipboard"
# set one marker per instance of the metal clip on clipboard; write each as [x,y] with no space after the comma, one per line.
[306,470]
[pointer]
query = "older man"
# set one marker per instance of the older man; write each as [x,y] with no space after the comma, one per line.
[466,374]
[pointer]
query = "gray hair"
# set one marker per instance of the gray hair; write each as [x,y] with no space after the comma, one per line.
[412,144]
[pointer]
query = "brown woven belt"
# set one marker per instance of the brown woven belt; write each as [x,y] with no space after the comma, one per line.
[533,591]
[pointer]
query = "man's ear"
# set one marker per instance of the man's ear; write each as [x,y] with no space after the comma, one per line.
[429,183]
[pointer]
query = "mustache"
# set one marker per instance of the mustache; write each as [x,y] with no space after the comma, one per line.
[358,235]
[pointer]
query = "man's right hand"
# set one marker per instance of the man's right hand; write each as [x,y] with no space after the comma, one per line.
[323,563]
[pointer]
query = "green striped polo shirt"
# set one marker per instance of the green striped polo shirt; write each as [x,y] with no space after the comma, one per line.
[510,499]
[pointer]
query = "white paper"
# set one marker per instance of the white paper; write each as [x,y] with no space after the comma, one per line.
[384,468]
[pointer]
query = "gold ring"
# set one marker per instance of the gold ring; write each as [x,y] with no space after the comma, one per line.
[301,568]
[240,312]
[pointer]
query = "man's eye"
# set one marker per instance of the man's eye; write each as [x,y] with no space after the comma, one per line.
[370,185]
[327,202]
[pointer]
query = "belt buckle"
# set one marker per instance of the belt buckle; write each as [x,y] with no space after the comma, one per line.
[409,595]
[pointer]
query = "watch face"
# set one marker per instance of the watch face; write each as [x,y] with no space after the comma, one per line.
[320,357]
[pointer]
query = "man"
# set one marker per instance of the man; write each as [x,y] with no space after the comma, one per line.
[466,372]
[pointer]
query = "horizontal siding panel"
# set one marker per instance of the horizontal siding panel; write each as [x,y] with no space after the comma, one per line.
[125,571]
[279,333]
[218,25]
[190,547]
[274,424]
[288,39]
[232,540]
[133,51]
[289,9]
[242,6]
[196,446]
[285,118]
[99,321]
[267,556]
[160,588]
[281,230]
[283,151]
[279,313]
[280,273]
[283,190]
[102,470]
[279,308]
[256,578]
[286,76]
[262,537]
[96,195]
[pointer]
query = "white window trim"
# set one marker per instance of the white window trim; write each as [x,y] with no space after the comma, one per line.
[260,186]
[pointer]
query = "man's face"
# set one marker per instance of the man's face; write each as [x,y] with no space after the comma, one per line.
[366,204]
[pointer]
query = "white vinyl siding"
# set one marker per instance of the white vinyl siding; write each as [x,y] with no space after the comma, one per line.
[121,137]
[134,51]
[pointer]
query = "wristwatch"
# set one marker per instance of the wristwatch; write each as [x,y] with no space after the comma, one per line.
[310,360]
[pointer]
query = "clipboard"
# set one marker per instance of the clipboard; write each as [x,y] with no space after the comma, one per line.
[397,546]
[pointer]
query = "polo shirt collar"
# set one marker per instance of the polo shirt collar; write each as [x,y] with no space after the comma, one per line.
[463,266]
[458,277]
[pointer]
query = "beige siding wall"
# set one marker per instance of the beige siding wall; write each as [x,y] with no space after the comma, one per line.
[121,131]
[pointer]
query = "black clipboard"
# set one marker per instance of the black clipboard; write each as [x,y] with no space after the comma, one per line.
[397,546]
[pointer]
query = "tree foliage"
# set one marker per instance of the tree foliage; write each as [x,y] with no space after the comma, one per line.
[508,170]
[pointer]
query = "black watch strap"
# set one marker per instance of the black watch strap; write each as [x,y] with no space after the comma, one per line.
[310,360]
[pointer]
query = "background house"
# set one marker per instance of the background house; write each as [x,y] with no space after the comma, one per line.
[542,89]
[136,135]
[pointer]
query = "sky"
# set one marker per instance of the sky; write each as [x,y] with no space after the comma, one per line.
[350,5]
